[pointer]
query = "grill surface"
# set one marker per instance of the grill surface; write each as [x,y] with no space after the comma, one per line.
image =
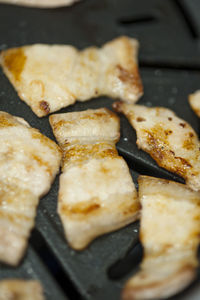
[169,33]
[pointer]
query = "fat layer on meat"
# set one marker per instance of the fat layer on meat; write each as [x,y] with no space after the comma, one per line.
[171,141]
[40,3]
[48,77]
[194,101]
[18,289]
[29,162]
[96,193]
[169,232]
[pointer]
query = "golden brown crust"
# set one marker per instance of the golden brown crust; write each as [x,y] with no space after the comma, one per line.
[5,121]
[131,77]
[44,140]
[14,60]
[79,153]
[158,148]
[80,208]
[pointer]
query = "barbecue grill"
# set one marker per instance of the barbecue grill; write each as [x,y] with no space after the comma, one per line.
[169,57]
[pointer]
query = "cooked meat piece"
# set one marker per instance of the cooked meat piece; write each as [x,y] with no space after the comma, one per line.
[168,139]
[29,162]
[96,193]
[194,100]
[170,234]
[48,78]
[16,289]
[40,3]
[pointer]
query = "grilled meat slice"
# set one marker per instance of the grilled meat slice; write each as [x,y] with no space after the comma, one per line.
[96,193]
[48,77]
[170,233]
[169,140]
[29,162]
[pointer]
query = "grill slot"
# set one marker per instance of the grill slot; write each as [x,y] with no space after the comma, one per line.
[128,264]
[53,266]
[131,20]
[189,20]
[191,8]
[178,66]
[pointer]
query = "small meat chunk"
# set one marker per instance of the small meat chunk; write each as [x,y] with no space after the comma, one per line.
[194,101]
[16,289]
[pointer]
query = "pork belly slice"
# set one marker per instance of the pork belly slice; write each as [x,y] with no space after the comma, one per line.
[41,3]
[170,235]
[169,140]
[18,289]
[96,193]
[48,77]
[29,162]
[194,101]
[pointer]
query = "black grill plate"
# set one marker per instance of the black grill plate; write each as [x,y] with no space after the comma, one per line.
[169,58]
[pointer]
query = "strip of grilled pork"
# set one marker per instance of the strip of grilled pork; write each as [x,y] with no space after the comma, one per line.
[169,140]
[96,193]
[48,77]
[170,233]
[29,162]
